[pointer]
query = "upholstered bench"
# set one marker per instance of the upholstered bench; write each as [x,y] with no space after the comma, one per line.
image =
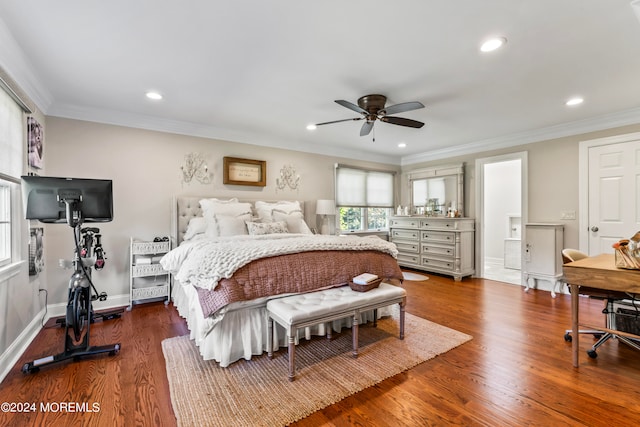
[302,310]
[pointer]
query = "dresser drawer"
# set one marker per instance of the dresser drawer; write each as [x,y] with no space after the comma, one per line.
[405,222]
[408,259]
[438,264]
[447,224]
[404,234]
[438,251]
[438,236]
[411,247]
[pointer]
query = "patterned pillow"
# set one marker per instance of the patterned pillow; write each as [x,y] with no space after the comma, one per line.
[258,228]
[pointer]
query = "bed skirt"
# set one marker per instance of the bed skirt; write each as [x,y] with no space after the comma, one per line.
[239,331]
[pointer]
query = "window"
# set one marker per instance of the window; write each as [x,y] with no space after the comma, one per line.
[364,198]
[11,167]
[5,223]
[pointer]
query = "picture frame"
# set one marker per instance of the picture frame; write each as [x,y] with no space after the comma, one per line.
[237,171]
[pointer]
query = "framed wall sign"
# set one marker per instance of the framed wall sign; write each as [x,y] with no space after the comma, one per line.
[244,171]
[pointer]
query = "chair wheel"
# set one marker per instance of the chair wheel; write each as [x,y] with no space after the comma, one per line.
[567,337]
[592,354]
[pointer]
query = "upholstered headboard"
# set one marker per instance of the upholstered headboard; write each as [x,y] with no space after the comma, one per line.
[187,207]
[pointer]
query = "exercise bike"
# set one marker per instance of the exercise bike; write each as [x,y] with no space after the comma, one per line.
[88,254]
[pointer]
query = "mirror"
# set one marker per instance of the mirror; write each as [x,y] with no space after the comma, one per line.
[437,191]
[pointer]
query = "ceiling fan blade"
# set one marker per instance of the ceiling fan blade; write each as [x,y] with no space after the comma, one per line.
[366,128]
[401,108]
[352,106]
[402,122]
[338,121]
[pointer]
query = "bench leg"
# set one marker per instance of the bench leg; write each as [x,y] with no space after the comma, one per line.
[375,317]
[402,304]
[354,333]
[328,325]
[292,354]
[270,337]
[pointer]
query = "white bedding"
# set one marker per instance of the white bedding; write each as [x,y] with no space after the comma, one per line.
[203,263]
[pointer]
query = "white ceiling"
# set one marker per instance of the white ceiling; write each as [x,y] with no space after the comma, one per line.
[259,71]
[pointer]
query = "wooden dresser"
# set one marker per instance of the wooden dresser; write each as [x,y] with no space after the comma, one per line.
[435,244]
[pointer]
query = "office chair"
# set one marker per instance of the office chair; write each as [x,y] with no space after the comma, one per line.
[610,297]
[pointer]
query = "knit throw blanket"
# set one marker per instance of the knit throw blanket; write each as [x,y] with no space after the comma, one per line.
[203,263]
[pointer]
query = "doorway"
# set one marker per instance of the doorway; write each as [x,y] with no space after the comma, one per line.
[609,191]
[501,214]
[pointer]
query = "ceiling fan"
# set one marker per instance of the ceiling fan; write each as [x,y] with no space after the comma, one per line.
[372,108]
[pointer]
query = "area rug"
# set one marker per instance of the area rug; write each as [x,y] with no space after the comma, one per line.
[414,276]
[258,393]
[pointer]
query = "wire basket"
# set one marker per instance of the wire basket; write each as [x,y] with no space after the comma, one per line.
[364,288]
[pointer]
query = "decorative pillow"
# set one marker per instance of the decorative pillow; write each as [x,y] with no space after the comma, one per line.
[212,207]
[265,209]
[232,225]
[257,228]
[197,225]
[295,221]
[227,225]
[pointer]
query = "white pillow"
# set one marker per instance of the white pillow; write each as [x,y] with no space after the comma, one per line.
[257,228]
[229,225]
[265,209]
[212,207]
[197,225]
[295,221]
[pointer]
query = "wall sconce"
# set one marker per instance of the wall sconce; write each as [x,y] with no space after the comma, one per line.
[325,208]
[288,178]
[195,167]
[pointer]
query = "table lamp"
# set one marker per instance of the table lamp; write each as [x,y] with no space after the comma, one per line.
[325,208]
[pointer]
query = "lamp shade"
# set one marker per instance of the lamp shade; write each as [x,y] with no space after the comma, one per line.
[326,207]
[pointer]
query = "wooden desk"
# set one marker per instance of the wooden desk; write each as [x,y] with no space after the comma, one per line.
[597,272]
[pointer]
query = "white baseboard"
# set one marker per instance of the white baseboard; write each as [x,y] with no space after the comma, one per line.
[11,355]
[20,344]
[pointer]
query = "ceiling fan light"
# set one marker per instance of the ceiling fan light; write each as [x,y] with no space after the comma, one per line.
[492,44]
[311,127]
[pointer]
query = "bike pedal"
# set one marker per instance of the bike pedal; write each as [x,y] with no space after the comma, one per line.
[102,296]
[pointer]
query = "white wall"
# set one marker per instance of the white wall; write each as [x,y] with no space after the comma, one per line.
[552,178]
[145,169]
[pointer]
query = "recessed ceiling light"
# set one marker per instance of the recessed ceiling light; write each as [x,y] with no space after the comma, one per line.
[493,44]
[154,95]
[574,101]
[311,127]
[402,145]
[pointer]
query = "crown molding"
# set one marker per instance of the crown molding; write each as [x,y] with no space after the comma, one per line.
[607,121]
[141,121]
[20,70]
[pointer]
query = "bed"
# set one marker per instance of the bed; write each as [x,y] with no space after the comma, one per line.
[232,256]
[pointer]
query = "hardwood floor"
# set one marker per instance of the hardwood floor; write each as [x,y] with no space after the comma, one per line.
[516,371]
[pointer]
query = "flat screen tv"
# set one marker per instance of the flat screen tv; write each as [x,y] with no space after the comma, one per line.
[51,199]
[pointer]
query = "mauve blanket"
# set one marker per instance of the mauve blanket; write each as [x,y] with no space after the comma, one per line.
[297,273]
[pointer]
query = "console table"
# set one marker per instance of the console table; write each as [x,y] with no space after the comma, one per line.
[597,272]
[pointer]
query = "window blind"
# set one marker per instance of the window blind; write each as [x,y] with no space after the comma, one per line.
[11,137]
[363,188]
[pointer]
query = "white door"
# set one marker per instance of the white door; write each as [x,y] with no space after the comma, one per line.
[613,194]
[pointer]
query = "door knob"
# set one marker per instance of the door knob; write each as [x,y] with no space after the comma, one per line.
[594,229]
